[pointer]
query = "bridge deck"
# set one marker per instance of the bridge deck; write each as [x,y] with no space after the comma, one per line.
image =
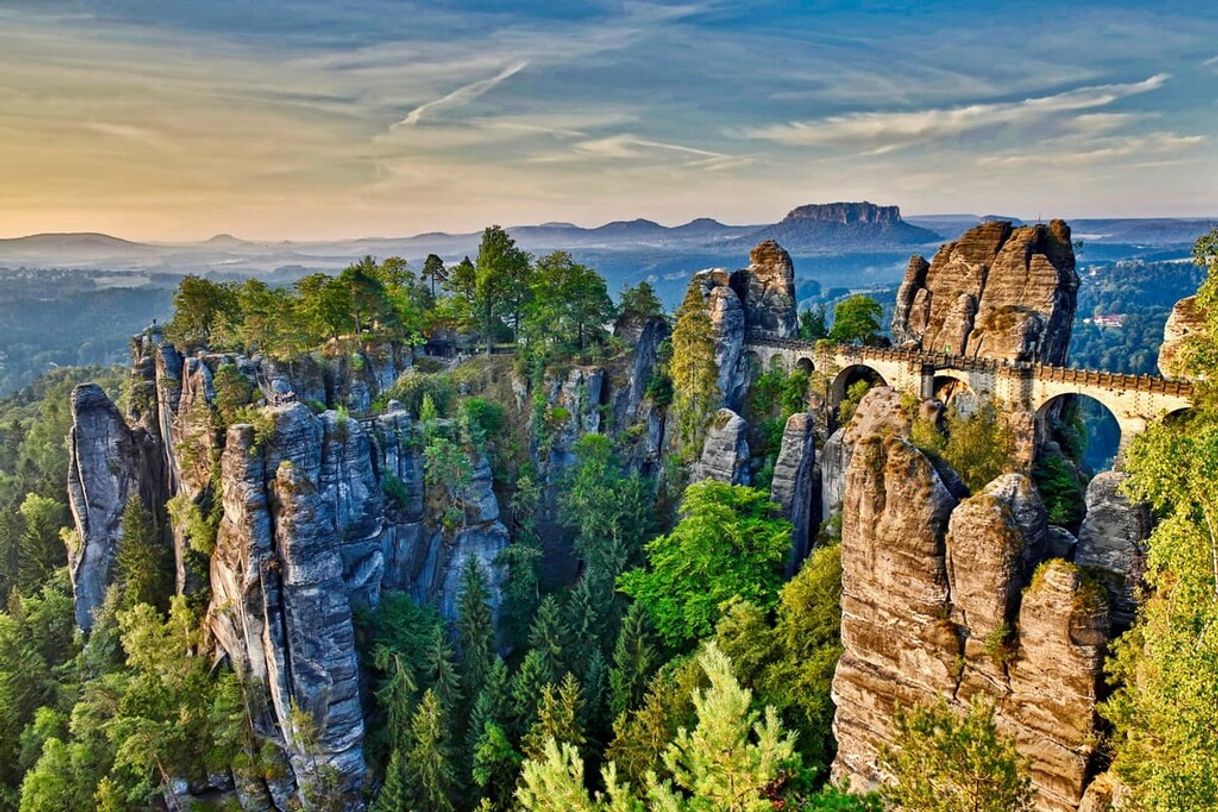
[1045,372]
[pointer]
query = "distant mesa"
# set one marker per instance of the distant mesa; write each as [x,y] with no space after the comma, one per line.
[820,226]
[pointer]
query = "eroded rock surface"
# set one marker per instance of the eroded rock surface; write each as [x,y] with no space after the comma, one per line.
[946,597]
[767,290]
[725,453]
[1185,321]
[997,292]
[795,481]
[1112,541]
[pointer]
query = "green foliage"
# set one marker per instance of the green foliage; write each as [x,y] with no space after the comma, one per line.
[482,420]
[475,630]
[558,715]
[944,761]
[429,771]
[142,565]
[447,473]
[856,320]
[501,281]
[635,659]
[1059,487]
[813,324]
[639,303]
[568,306]
[789,661]
[496,765]
[979,446]
[694,373]
[414,386]
[394,488]
[850,403]
[727,544]
[200,307]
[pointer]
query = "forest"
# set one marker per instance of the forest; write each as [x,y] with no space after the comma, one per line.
[676,665]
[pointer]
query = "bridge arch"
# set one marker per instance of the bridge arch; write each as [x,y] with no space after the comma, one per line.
[1086,427]
[849,376]
[804,364]
[954,389]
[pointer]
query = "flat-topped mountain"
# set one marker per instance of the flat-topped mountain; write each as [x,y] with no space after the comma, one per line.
[846,226]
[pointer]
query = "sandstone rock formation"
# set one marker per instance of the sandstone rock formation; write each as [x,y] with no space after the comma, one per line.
[879,412]
[767,290]
[104,472]
[1112,541]
[997,292]
[1185,321]
[725,453]
[814,226]
[759,297]
[948,598]
[794,483]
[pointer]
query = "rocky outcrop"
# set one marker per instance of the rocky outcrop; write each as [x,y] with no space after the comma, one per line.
[1183,325]
[1112,542]
[794,483]
[945,597]
[759,297]
[104,472]
[767,290]
[818,227]
[997,292]
[879,412]
[725,453]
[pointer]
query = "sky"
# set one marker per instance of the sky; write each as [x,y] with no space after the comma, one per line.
[308,119]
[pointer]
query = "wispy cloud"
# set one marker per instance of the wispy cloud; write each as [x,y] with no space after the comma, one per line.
[460,96]
[908,127]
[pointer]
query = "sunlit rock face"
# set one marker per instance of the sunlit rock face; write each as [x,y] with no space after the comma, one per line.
[955,597]
[1183,325]
[997,292]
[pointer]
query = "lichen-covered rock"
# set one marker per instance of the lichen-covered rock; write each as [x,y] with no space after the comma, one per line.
[103,474]
[767,290]
[996,292]
[1105,794]
[794,483]
[725,453]
[1112,541]
[1183,325]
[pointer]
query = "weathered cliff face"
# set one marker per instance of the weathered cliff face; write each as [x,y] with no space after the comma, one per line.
[794,483]
[759,297]
[105,470]
[880,413]
[997,292]
[1112,542]
[767,290]
[1184,323]
[725,452]
[945,597]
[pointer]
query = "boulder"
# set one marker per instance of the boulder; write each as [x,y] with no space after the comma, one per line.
[996,292]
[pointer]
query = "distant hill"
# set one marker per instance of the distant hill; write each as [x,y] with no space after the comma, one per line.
[843,226]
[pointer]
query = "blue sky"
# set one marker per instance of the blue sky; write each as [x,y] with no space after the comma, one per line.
[309,119]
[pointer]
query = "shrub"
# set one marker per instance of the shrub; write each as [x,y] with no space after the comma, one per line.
[1060,489]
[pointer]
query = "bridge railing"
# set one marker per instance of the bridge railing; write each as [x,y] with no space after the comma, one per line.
[1089,377]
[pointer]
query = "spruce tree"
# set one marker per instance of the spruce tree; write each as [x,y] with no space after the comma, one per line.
[395,695]
[595,695]
[141,563]
[557,718]
[634,660]
[493,705]
[527,685]
[428,761]
[439,673]
[393,794]
[546,637]
[475,630]
[496,765]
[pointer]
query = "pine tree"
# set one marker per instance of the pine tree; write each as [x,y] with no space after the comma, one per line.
[595,694]
[393,796]
[496,765]
[732,760]
[440,675]
[141,563]
[395,695]
[557,718]
[428,761]
[634,660]
[546,637]
[475,631]
[527,685]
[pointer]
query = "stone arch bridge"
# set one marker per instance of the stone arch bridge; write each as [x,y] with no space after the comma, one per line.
[1134,400]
